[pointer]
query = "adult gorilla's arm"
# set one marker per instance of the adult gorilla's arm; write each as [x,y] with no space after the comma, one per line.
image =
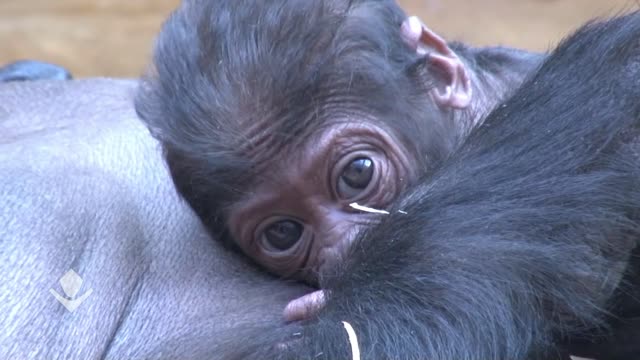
[83,187]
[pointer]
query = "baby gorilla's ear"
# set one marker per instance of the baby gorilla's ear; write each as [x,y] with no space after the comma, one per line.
[453,84]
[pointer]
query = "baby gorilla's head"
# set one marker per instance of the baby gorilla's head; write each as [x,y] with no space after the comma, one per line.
[281,136]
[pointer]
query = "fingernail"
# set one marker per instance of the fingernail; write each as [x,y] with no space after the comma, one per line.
[415,25]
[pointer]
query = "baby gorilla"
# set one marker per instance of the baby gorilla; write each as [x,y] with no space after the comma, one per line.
[288,165]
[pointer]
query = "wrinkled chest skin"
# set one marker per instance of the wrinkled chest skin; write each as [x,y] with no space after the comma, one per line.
[83,186]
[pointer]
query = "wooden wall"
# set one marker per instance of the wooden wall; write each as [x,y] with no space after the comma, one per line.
[114,37]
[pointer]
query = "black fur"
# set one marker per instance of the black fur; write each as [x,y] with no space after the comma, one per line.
[515,248]
[227,70]
[518,244]
[223,67]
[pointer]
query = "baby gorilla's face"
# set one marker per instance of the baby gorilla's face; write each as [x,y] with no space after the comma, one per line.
[307,206]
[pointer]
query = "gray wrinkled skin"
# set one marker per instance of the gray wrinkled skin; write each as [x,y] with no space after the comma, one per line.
[83,187]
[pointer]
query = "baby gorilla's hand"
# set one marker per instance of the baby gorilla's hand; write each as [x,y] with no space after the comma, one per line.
[305,307]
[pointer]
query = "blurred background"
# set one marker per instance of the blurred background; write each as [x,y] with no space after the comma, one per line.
[115,37]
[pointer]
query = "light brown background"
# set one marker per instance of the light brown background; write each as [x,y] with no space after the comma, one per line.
[114,37]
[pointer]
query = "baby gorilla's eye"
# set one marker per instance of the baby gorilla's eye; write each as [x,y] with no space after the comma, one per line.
[284,234]
[355,177]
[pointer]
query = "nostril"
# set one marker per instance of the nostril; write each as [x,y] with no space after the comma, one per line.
[335,249]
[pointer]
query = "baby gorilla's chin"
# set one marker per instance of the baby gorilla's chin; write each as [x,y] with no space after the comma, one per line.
[305,306]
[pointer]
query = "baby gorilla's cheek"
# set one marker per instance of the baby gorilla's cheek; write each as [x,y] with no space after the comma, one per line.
[305,307]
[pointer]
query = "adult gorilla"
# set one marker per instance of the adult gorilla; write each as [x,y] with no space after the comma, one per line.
[84,188]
